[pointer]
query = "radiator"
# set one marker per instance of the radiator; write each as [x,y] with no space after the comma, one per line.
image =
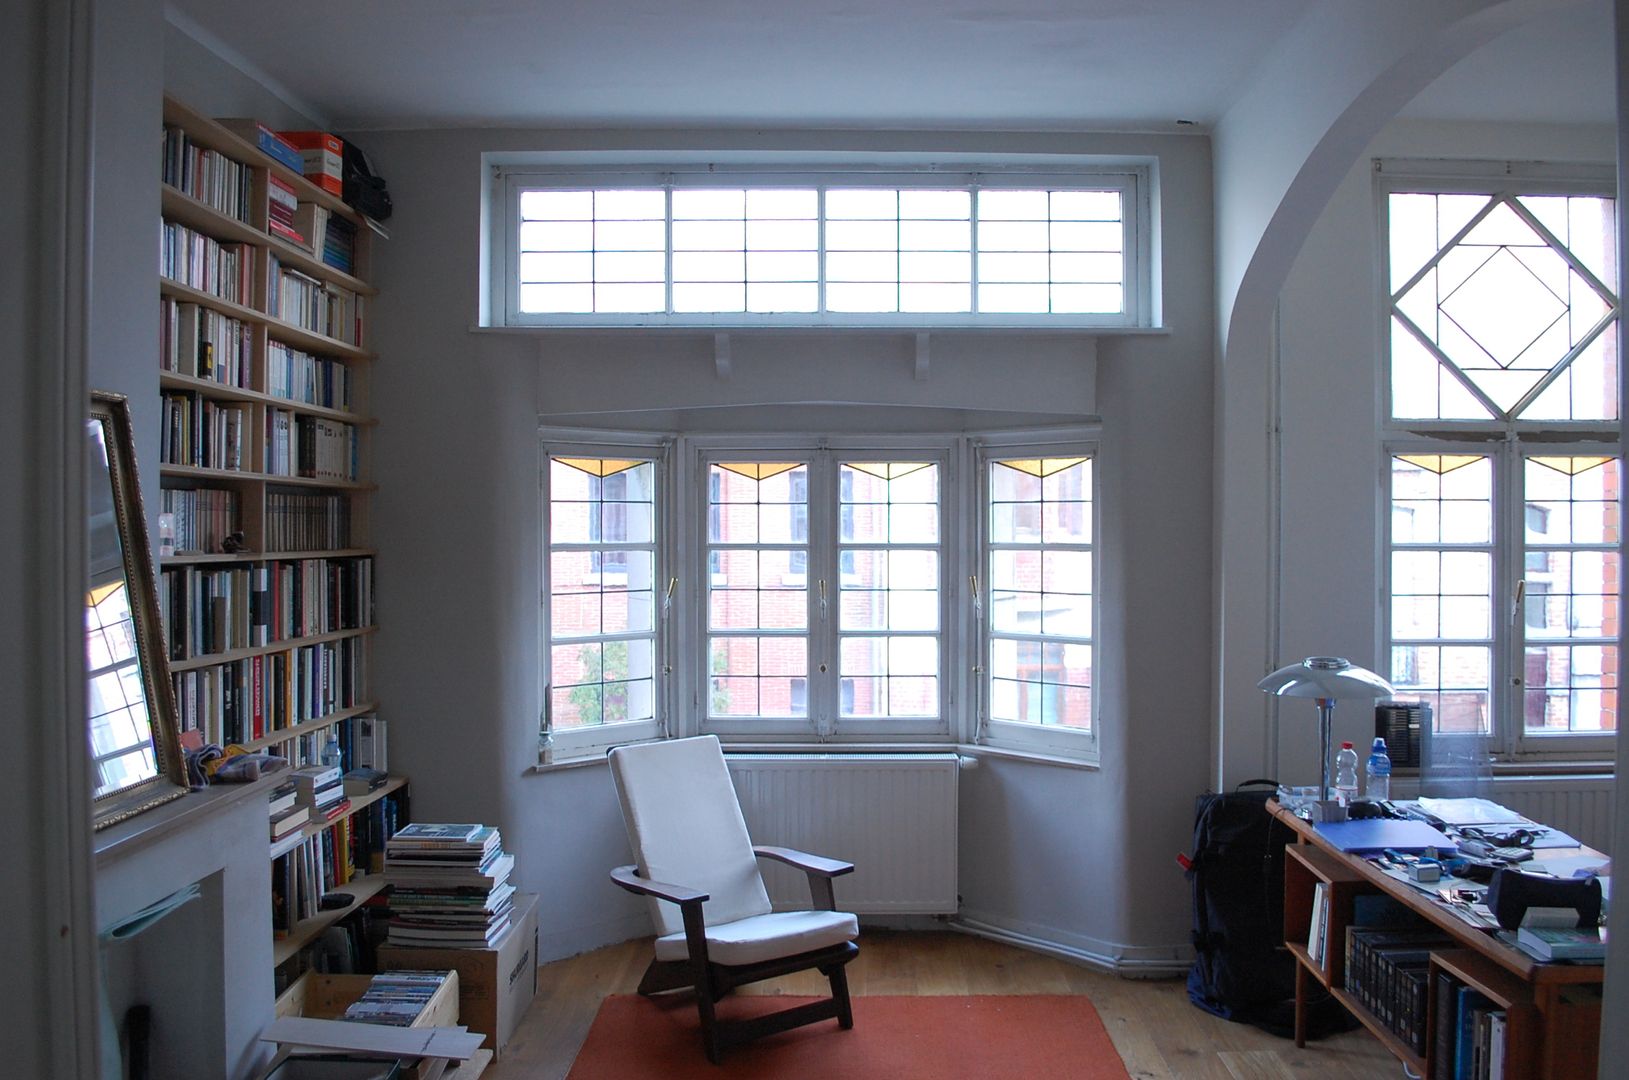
[892,815]
[1582,807]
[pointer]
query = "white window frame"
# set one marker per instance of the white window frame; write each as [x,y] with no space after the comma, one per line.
[588,742]
[1508,442]
[824,724]
[1132,179]
[1035,738]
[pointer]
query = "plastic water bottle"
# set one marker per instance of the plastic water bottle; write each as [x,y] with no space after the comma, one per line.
[1378,772]
[1346,774]
[330,751]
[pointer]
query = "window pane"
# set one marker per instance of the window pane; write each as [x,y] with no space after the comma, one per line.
[1039,610]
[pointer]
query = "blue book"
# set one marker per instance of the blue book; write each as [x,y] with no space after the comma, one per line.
[1378,834]
[1469,1001]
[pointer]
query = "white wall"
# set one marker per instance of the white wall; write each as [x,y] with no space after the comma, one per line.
[1047,849]
[1329,400]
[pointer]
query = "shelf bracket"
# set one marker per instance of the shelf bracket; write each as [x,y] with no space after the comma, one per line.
[721,355]
[923,359]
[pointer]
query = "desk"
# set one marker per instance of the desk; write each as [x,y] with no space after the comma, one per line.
[1553,1010]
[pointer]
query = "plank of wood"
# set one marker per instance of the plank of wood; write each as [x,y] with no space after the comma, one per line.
[454,1043]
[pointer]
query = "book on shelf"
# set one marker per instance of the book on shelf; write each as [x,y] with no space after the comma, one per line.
[421,833]
[265,140]
[1318,928]
[361,781]
[289,820]
[1563,943]
[206,174]
[282,799]
[281,204]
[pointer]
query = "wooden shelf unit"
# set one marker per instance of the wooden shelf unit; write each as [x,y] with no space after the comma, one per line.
[255,488]
[1553,1010]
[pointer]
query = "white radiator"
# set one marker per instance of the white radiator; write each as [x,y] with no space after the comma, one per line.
[1582,807]
[892,815]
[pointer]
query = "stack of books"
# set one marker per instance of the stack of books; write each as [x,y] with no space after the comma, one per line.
[1563,943]
[321,791]
[449,886]
[329,236]
[281,204]
[287,814]
[395,997]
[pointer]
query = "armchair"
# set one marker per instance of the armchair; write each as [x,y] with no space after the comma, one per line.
[715,926]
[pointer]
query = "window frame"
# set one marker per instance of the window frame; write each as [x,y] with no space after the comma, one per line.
[1017,735]
[1507,442]
[576,743]
[824,722]
[1133,179]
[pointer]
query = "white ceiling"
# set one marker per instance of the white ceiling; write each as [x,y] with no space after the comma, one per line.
[926,64]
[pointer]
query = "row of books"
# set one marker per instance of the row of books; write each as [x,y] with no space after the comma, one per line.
[361,739]
[200,517]
[313,794]
[1470,1033]
[328,236]
[449,886]
[246,699]
[325,862]
[201,262]
[395,997]
[201,342]
[302,521]
[207,175]
[1387,970]
[318,306]
[311,446]
[209,610]
[299,376]
[202,432]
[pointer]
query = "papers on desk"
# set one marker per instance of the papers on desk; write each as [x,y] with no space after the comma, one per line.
[1471,812]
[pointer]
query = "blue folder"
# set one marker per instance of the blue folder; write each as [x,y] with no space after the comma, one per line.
[1377,834]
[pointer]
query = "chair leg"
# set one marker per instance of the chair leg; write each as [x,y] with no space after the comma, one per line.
[710,1041]
[839,995]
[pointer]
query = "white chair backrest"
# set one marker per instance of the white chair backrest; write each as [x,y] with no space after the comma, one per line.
[684,823]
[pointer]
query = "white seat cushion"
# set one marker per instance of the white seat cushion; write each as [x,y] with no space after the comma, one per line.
[767,937]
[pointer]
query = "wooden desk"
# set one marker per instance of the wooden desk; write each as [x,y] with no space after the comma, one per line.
[1553,1011]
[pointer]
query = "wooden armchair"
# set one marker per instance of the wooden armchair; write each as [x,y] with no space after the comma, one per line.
[717,931]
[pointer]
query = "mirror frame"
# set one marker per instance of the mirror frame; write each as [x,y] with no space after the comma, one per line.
[113,411]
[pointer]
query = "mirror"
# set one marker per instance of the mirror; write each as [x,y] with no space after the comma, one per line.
[129,703]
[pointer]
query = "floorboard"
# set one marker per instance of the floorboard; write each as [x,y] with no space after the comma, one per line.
[1158,1033]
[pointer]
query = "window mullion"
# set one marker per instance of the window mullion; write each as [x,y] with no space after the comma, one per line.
[1511,630]
[825,699]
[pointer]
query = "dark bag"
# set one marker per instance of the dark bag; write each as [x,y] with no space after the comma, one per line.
[364,192]
[1241,967]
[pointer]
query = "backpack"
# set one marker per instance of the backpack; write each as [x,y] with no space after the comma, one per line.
[364,191]
[1241,969]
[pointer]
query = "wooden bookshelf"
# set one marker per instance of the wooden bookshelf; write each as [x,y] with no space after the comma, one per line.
[304,932]
[235,251]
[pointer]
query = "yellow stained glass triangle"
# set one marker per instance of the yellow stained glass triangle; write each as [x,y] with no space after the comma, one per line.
[1570,466]
[1042,467]
[758,470]
[887,470]
[102,592]
[1441,464]
[601,467]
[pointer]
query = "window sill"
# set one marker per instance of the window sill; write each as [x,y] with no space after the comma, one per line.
[971,750]
[897,328]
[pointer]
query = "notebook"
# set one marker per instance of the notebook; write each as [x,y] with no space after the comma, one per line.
[1377,834]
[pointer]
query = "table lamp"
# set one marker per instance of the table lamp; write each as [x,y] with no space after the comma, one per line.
[1326,679]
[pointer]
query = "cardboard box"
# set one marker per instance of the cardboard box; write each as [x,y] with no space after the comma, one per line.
[326,997]
[324,157]
[494,985]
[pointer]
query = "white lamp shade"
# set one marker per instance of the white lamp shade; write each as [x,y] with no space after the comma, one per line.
[1331,677]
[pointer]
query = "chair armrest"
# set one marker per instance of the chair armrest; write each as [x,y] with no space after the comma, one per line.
[628,878]
[809,864]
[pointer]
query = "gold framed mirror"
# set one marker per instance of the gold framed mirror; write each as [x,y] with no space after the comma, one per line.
[131,727]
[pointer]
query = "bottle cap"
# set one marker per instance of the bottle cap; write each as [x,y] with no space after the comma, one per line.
[1346,746]
[1379,743]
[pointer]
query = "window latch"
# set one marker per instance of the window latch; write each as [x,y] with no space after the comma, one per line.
[978,601]
[822,599]
[1521,595]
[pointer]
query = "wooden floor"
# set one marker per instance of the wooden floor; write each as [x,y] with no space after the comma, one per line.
[1157,1031]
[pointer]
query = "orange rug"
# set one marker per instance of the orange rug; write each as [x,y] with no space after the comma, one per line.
[990,1037]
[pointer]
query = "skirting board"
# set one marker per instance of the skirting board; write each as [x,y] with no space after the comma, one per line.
[1127,961]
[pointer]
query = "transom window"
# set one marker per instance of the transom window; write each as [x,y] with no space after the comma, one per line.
[626,249]
[1503,464]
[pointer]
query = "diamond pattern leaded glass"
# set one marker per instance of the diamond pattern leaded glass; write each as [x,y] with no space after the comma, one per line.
[1503,307]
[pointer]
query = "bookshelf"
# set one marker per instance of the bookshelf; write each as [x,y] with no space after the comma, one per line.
[263,373]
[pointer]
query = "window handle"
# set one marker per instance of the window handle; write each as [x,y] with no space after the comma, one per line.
[667,598]
[1521,595]
[822,599]
[978,602]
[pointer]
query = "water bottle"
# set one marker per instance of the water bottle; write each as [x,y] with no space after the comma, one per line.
[1378,779]
[1346,774]
[330,751]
